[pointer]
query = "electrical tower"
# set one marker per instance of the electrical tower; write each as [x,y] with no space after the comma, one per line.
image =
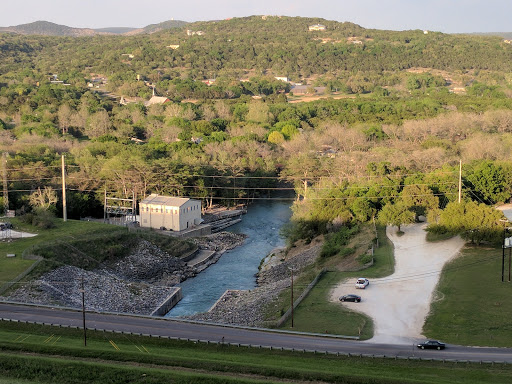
[119,211]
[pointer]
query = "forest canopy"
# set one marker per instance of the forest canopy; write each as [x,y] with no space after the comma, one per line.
[388,118]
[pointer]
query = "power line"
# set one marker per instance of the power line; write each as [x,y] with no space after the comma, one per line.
[281,177]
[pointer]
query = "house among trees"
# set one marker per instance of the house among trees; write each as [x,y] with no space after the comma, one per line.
[307,89]
[157,100]
[317,27]
[172,213]
[193,33]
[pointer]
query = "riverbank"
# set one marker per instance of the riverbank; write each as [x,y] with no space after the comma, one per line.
[248,307]
[137,284]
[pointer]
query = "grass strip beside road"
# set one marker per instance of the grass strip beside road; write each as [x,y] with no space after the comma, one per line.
[43,354]
[66,371]
[472,306]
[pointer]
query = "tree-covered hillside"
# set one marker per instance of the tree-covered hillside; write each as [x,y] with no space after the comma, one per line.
[399,111]
[46,28]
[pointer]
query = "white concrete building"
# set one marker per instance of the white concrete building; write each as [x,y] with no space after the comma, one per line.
[317,27]
[173,213]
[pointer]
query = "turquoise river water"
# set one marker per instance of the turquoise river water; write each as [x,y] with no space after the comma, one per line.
[236,268]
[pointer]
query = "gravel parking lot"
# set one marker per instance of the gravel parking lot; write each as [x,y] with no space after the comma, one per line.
[400,303]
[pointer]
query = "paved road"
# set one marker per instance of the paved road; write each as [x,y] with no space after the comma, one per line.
[217,333]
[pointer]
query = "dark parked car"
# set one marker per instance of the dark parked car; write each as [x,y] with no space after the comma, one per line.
[4,226]
[354,298]
[431,344]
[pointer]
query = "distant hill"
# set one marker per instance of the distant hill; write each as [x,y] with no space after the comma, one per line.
[115,30]
[47,28]
[505,35]
[152,28]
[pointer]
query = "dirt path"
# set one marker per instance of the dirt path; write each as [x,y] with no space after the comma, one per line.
[400,303]
[12,234]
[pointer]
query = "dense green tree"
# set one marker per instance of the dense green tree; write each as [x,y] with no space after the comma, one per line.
[490,182]
[397,214]
[474,221]
[420,198]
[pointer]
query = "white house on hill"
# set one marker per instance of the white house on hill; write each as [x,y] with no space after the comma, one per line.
[317,27]
[174,213]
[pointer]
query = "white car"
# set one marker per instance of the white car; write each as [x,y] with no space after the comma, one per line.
[362,283]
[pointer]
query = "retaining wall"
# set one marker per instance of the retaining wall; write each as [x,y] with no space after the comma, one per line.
[168,303]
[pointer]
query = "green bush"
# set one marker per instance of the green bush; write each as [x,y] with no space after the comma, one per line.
[335,242]
[365,258]
[303,230]
[41,218]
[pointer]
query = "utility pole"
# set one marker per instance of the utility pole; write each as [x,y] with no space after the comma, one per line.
[503,256]
[83,311]
[291,269]
[105,206]
[4,174]
[460,179]
[64,206]
[509,261]
[134,205]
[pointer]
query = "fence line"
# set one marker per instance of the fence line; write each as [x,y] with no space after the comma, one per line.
[308,289]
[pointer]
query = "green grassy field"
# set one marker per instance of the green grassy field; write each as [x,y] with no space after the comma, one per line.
[12,267]
[38,354]
[473,306]
[316,314]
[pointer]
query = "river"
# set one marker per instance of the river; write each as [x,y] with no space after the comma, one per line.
[236,268]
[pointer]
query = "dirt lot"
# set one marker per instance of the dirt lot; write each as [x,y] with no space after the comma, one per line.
[399,303]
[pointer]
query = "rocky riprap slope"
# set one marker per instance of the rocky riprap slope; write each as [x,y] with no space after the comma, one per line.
[148,263]
[221,241]
[247,308]
[103,292]
[138,283]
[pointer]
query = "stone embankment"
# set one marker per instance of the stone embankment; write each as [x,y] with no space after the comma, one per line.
[138,283]
[248,308]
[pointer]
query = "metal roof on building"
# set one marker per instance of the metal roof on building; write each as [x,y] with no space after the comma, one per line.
[166,200]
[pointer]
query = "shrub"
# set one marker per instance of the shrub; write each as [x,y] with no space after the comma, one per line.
[303,230]
[335,242]
[39,217]
[365,258]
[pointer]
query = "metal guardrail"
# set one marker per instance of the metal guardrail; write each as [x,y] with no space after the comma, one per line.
[269,347]
[185,321]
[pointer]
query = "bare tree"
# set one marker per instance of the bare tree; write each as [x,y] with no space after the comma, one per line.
[43,198]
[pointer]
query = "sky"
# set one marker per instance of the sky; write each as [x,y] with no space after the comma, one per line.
[449,16]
